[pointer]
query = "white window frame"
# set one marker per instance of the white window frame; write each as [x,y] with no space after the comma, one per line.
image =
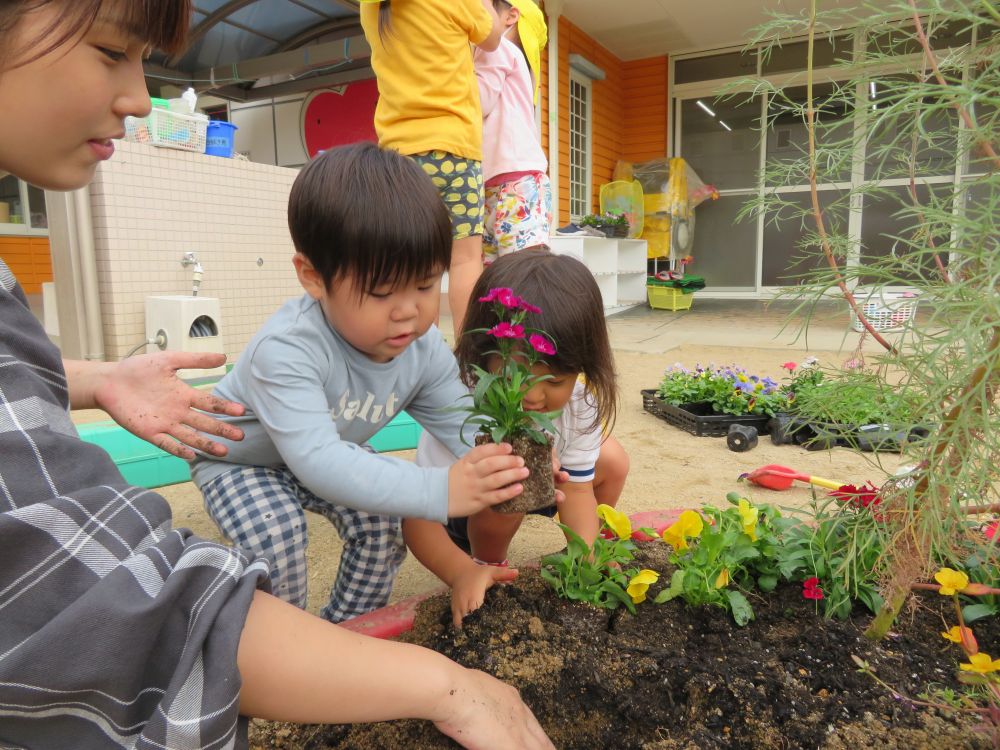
[8,229]
[577,208]
[696,89]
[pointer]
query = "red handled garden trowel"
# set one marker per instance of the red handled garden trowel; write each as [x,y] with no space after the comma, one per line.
[775,477]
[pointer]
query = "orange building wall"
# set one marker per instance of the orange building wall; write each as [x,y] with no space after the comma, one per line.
[29,260]
[629,111]
[645,109]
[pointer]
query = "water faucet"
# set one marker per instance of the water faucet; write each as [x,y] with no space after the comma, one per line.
[190,259]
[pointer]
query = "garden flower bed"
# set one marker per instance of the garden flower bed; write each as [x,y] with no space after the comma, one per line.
[674,676]
[646,664]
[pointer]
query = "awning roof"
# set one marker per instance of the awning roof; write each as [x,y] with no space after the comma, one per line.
[252,49]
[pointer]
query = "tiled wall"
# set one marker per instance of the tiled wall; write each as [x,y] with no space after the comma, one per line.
[152,205]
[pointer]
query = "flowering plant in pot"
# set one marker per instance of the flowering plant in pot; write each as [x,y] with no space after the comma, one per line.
[498,397]
[612,223]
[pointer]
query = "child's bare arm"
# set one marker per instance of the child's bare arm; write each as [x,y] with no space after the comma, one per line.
[324,673]
[430,544]
[467,580]
[491,42]
[579,510]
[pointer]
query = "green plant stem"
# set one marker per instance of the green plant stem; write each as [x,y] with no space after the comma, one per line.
[913,701]
[937,587]
[981,141]
[948,442]
[814,191]
[971,510]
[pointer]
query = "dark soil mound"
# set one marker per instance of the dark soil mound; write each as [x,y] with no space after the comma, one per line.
[675,677]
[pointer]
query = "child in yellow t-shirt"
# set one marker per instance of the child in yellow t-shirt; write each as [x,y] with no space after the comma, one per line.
[428,109]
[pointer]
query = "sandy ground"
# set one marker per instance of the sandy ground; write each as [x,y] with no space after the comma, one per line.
[669,467]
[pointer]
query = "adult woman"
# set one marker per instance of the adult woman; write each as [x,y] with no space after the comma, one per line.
[116,630]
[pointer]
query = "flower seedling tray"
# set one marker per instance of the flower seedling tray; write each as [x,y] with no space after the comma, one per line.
[699,419]
[789,429]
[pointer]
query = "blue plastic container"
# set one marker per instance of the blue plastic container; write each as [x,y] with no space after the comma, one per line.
[219,138]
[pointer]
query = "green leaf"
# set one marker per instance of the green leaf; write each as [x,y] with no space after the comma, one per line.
[767,583]
[740,607]
[483,385]
[543,420]
[575,544]
[674,590]
[973,612]
[619,593]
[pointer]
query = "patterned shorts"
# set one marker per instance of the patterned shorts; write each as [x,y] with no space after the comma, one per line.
[518,215]
[460,182]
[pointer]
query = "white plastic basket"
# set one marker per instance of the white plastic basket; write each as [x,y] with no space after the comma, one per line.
[885,311]
[168,130]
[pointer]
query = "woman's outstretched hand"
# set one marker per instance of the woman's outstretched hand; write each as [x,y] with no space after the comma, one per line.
[144,395]
[486,714]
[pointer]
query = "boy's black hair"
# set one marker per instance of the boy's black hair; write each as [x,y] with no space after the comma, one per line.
[368,214]
[572,315]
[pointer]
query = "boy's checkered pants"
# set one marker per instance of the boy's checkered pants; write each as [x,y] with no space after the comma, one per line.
[261,510]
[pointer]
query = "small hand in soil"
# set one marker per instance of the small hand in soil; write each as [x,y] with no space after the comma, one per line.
[469,588]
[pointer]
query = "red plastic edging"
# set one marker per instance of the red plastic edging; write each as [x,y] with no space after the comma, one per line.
[388,622]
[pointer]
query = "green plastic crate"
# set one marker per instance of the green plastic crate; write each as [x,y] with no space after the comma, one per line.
[145,465]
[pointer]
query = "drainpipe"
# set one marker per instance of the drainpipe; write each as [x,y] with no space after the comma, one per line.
[71,238]
[88,269]
[554,9]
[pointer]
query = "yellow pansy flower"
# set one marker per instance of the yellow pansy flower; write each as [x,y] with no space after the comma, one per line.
[981,663]
[749,514]
[952,581]
[639,584]
[688,524]
[723,580]
[617,521]
[953,634]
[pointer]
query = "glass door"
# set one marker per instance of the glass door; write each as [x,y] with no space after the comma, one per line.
[720,140]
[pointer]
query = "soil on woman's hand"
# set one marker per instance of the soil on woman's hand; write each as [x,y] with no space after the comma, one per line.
[674,677]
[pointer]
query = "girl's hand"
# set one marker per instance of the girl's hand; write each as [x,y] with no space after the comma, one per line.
[470,587]
[485,476]
[559,476]
[482,713]
[144,395]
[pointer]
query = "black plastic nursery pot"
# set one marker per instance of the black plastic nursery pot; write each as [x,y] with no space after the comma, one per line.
[788,429]
[699,419]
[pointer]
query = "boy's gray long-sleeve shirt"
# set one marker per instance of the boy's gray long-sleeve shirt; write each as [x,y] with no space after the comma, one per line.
[312,399]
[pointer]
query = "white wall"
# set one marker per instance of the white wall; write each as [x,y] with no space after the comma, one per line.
[270,131]
[152,205]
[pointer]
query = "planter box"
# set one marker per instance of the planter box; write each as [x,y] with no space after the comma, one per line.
[699,419]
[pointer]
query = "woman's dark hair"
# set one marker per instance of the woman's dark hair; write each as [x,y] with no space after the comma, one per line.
[369,214]
[572,315]
[161,23]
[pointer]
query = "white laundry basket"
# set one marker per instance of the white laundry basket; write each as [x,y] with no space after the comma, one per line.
[885,310]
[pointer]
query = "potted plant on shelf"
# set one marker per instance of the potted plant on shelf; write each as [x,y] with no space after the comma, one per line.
[707,401]
[614,224]
[498,397]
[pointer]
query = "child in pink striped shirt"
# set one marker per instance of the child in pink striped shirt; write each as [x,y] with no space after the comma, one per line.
[518,209]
